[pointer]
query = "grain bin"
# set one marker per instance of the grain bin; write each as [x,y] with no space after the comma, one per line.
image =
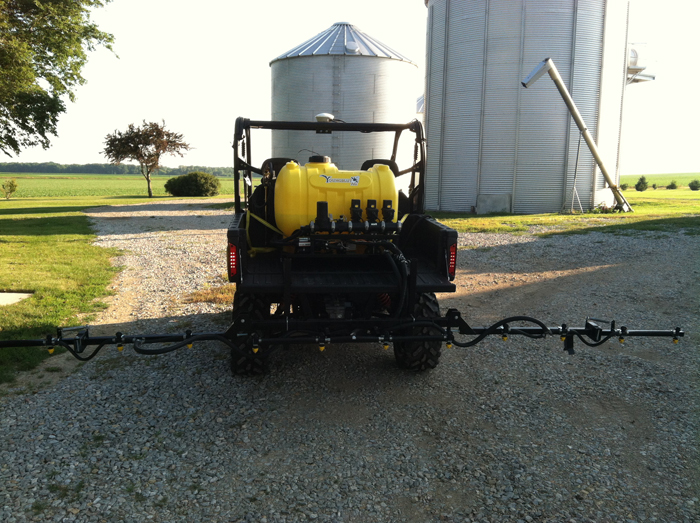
[351,75]
[493,146]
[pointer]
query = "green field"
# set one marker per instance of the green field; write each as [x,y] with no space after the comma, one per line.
[46,244]
[661,180]
[60,185]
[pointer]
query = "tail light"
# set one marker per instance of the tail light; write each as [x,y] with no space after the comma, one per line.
[232,262]
[452,261]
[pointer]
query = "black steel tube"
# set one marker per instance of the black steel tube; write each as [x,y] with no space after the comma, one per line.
[97,340]
[327,126]
[321,339]
[24,343]
[656,333]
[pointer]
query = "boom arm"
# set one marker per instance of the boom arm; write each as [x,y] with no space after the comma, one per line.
[248,334]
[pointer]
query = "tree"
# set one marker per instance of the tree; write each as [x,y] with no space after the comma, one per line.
[43,48]
[144,144]
[641,184]
[9,188]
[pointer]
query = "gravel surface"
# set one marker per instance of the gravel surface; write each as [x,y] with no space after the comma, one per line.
[506,431]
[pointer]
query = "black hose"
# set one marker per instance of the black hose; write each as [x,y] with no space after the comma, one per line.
[422,218]
[400,263]
[493,329]
[591,344]
[183,343]
[77,355]
[404,286]
[402,274]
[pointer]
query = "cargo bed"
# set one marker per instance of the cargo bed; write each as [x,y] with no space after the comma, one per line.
[352,273]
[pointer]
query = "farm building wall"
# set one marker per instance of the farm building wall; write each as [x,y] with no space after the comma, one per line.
[493,143]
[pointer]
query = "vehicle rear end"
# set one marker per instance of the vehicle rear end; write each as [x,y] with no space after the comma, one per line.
[326,256]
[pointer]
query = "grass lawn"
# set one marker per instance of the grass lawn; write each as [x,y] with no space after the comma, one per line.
[61,185]
[654,210]
[46,248]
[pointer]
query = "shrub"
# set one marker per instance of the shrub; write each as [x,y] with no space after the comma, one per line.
[694,185]
[602,208]
[9,187]
[654,186]
[193,184]
[672,185]
[625,186]
[642,184]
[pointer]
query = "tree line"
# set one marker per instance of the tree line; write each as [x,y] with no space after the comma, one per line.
[106,168]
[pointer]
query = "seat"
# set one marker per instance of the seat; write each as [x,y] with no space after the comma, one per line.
[370,163]
[275,164]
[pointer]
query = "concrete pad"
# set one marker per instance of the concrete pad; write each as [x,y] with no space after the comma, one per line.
[488,203]
[8,298]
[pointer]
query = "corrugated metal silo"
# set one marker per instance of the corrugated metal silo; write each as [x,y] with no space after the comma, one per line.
[351,75]
[493,145]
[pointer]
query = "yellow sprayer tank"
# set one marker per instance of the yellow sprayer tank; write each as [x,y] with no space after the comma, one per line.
[299,188]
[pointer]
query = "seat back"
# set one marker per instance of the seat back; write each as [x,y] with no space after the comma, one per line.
[370,163]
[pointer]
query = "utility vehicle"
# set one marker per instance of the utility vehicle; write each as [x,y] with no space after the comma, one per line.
[336,255]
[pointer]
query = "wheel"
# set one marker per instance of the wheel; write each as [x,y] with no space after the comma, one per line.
[243,361]
[420,355]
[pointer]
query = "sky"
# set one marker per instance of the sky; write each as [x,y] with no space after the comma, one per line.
[199,65]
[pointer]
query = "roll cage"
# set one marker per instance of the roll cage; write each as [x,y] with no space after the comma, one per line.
[242,155]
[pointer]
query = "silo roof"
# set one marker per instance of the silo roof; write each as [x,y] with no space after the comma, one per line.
[342,38]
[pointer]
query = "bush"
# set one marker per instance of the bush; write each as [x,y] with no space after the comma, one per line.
[602,208]
[9,187]
[694,185]
[193,184]
[625,186]
[642,184]
[672,185]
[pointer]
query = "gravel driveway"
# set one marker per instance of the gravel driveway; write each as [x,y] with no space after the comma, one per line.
[506,431]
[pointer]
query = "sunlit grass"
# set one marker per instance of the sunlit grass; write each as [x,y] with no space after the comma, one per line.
[653,210]
[222,295]
[46,249]
[85,185]
[17,208]
[56,261]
